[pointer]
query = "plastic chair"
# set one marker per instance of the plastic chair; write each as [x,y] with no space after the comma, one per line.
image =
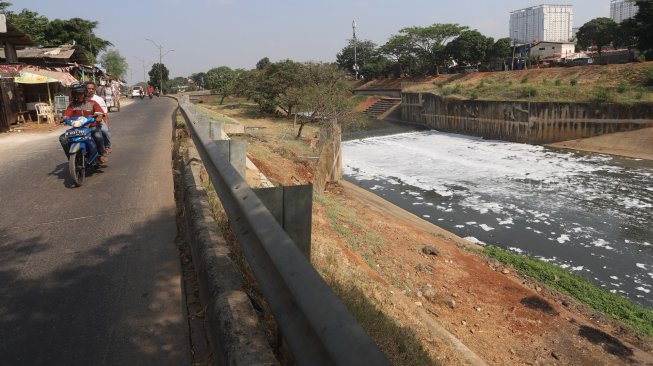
[44,110]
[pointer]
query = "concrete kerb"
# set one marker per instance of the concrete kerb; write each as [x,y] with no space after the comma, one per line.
[235,336]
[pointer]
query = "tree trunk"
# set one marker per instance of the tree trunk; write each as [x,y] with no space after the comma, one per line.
[299,132]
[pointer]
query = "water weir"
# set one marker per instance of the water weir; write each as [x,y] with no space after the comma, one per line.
[524,122]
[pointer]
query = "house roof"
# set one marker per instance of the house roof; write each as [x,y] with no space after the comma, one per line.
[61,54]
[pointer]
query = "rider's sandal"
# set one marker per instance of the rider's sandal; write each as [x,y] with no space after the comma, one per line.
[103,159]
[109,150]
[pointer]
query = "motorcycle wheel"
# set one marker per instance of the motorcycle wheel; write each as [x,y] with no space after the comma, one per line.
[76,168]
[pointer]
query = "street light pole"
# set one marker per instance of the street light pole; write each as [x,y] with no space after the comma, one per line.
[161,54]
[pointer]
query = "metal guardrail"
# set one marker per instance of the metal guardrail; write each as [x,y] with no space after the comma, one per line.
[315,324]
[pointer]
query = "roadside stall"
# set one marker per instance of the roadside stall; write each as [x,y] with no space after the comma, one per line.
[39,87]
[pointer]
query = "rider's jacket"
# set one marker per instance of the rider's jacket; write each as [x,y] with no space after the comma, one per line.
[84,109]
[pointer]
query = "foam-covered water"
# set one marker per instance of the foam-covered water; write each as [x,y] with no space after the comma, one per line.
[589,213]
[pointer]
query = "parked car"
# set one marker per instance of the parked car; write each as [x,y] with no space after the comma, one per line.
[137,92]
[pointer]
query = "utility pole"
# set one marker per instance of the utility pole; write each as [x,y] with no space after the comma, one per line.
[161,54]
[353,26]
[143,62]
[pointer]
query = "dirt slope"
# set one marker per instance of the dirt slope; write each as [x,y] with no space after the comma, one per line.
[634,144]
[460,307]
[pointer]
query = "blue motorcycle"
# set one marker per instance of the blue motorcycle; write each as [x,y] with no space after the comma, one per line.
[82,151]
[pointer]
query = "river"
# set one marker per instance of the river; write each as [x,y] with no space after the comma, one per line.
[589,213]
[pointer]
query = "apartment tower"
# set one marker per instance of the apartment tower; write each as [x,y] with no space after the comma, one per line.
[550,23]
[621,10]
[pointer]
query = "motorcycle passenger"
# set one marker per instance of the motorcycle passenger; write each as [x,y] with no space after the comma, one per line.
[91,87]
[81,106]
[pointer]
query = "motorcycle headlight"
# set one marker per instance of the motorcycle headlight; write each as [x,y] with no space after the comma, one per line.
[77,122]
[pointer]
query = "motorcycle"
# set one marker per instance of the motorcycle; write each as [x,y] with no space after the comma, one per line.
[142,95]
[82,151]
[149,95]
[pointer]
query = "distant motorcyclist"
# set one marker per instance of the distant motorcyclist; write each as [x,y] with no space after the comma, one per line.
[156,91]
[150,90]
[81,106]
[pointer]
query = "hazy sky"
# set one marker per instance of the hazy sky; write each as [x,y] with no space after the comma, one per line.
[238,33]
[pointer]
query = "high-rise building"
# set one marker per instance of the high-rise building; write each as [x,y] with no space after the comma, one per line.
[621,10]
[550,23]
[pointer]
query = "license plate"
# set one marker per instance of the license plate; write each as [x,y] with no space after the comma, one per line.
[73,133]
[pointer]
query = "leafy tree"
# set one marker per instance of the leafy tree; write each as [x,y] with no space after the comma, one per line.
[427,44]
[79,31]
[262,63]
[115,63]
[158,73]
[470,47]
[35,26]
[221,81]
[246,82]
[399,50]
[644,21]
[599,32]
[325,96]
[199,78]
[501,49]
[278,87]
[366,52]
[626,34]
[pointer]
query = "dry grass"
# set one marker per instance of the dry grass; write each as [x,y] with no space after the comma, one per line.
[626,83]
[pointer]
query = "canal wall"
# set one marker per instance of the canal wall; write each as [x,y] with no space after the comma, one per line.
[524,122]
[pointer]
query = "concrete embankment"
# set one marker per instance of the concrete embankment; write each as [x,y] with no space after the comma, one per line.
[635,144]
[524,122]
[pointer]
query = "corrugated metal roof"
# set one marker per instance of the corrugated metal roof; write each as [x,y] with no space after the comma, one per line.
[65,53]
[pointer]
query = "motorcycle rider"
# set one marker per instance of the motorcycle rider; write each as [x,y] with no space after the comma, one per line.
[92,88]
[149,91]
[81,106]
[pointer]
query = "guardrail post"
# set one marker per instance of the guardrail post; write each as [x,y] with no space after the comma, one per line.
[292,207]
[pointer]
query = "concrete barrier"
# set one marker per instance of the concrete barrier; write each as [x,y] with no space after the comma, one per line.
[235,336]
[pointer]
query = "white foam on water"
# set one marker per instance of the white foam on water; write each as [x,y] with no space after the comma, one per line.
[507,221]
[486,227]
[641,265]
[563,238]
[645,290]
[472,239]
[516,184]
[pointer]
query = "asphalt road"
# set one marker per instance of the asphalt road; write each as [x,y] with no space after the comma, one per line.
[91,275]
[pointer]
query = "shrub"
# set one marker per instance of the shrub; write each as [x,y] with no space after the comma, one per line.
[474,95]
[458,89]
[524,80]
[558,82]
[649,77]
[622,88]
[573,82]
[528,92]
[601,95]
